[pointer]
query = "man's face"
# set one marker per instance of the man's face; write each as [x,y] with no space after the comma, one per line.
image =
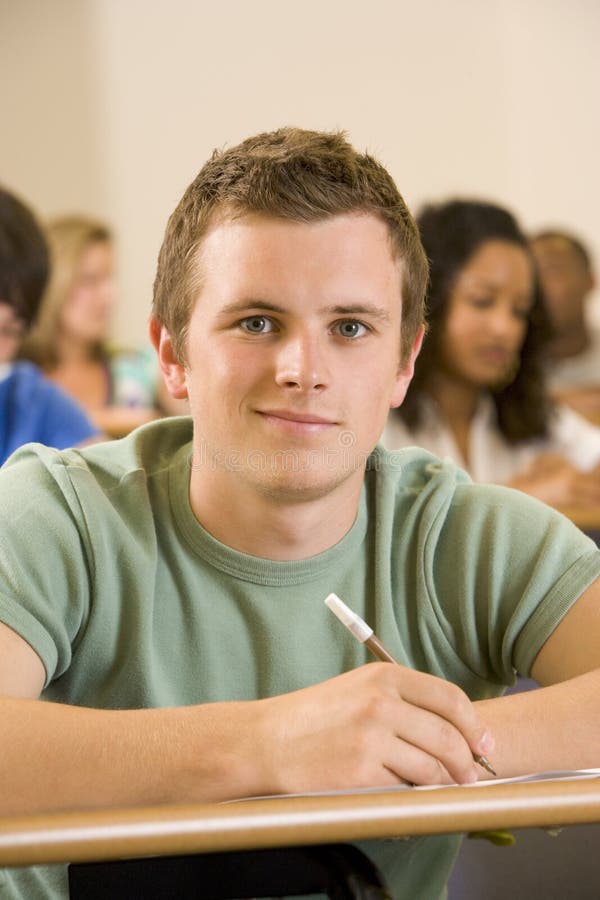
[566,280]
[293,352]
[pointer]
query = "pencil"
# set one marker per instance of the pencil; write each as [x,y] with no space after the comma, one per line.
[365,634]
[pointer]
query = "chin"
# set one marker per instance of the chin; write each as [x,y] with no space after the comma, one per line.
[493,381]
[502,381]
[305,484]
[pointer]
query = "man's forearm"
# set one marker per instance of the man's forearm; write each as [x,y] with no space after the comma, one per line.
[556,727]
[370,727]
[57,757]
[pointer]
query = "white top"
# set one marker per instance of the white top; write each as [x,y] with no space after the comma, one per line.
[491,457]
[582,370]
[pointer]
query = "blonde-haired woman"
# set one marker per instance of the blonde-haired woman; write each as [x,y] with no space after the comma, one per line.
[120,390]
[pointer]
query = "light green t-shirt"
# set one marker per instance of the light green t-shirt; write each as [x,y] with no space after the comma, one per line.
[130,603]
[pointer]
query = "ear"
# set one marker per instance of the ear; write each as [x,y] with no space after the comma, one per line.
[405,373]
[173,371]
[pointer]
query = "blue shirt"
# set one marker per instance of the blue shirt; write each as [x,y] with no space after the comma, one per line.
[32,408]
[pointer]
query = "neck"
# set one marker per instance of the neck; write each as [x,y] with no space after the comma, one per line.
[261,523]
[71,351]
[456,399]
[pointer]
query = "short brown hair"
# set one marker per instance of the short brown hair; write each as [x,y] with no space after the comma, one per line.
[293,174]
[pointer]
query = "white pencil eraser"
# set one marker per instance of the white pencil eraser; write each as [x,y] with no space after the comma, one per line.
[347,617]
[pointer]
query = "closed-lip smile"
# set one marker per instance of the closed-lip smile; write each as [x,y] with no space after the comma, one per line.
[296,423]
[293,416]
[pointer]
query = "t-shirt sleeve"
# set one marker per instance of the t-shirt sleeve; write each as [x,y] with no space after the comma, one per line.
[515,567]
[44,577]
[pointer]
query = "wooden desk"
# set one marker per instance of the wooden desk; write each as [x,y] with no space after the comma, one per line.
[287,821]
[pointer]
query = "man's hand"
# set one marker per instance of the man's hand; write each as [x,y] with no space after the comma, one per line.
[380,724]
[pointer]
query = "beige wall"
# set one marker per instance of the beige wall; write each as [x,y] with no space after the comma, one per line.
[111,106]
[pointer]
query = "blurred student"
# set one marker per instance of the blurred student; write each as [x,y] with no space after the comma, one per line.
[119,389]
[567,280]
[31,407]
[478,394]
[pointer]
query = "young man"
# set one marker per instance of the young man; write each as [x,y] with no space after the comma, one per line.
[171,611]
[31,407]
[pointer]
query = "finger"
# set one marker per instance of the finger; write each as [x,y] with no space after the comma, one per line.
[434,746]
[408,764]
[449,703]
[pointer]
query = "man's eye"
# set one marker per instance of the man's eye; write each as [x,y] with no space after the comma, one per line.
[350,328]
[257,325]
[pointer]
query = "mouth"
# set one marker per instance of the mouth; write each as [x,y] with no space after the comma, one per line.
[498,356]
[296,422]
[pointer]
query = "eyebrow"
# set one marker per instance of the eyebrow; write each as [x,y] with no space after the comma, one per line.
[359,309]
[352,309]
[478,284]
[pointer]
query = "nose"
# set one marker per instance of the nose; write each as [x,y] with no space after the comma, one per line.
[506,326]
[107,293]
[301,363]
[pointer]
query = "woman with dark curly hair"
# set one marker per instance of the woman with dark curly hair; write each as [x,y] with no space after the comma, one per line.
[478,394]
